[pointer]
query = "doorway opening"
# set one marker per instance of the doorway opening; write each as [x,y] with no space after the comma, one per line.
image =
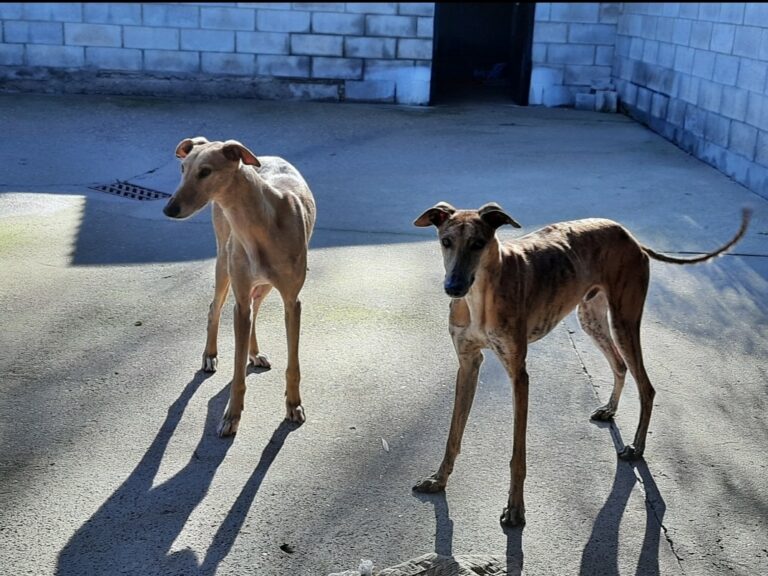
[482,51]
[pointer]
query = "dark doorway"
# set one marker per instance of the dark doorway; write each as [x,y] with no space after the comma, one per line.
[482,50]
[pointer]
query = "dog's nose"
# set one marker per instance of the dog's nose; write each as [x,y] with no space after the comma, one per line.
[171,210]
[455,287]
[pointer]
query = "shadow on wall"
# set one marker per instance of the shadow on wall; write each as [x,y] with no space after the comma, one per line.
[135,528]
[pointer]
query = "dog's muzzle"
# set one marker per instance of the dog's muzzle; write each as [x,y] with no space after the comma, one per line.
[457,287]
[172,209]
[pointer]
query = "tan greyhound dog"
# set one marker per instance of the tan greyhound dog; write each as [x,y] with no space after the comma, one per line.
[263,216]
[506,296]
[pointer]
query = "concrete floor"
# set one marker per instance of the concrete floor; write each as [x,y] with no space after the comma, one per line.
[109,462]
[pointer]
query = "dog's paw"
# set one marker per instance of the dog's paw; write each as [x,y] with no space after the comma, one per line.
[228,426]
[513,516]
[430,485]
[603,414]
[259,360]
[630,453]
[210,363]
[295,414]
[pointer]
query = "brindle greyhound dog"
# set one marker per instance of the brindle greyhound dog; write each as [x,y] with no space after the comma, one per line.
[505,296]
[263,216]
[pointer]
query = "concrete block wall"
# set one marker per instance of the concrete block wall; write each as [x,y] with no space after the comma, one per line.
[697,73]
[573,46]
[336,51]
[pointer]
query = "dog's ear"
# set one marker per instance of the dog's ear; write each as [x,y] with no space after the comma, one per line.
[186,145]
[436,215]
[235,151]
[494,216]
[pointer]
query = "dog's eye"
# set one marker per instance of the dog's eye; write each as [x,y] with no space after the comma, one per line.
[446,242]
[478,245]
[203,173]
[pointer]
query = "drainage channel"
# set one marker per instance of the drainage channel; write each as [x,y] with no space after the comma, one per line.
[132,191]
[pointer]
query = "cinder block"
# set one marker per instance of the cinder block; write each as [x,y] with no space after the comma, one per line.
[717,129]
[395,26]
[282,21]
[372,7]
[747,41]
[723,36]
[171,61]
[414,49]
[316,44]
[629,94]
[726,69]
[585,101]
[412,86]
[671,9]
[331,23]
[636,48]
[55,56]
[11,11]
[703,64]
[416,9]
[709,11]
[263,42]
[568,54]
[113,58]
[659,104]
[222,18]
[676,112]
[112,13]
[337,68]
[550,32]
[314,91]
[763,53]
[689,10]
[286,66]
[208,40]
[648,26]
[684,59]
[666,55]
[751,75]
[701,35]
[665,30]
[576,75]
[604,55]
[651,51]
[308,6]
[622,45]
[606,101]
[757,110]
[11,54]
[761,149]
[425,27]
[555,96]
[710,95]
[150,37]
[173,16]
[609,12]
[732,12]
[370,90]
[92,34]
[543,77]
[681,33]
[539,54]
[733,104]
[542,12]
[34,32]
[56,11]
[575,12]
[695,119]
[228,64]
[370,47]
[743,139]
[644,99]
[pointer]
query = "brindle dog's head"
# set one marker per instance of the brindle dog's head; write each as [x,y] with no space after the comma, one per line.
[464,236]
[206,168]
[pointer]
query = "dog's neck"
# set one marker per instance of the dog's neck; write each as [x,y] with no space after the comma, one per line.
[487,273]
[248,209]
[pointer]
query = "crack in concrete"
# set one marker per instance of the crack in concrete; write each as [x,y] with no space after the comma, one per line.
[616,436]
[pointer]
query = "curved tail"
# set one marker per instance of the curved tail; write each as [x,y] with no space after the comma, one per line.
[746,214]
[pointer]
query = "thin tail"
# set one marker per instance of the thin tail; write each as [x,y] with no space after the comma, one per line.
[746,214]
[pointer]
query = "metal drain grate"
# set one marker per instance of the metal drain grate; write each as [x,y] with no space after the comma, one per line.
[128,190]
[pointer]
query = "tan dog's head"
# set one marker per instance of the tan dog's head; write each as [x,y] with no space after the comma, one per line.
[464,235]
[206,168]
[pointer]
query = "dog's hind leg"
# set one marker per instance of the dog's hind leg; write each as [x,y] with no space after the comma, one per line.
[220,291]
[256,358]
[626,313]
[293,407]
[593,317]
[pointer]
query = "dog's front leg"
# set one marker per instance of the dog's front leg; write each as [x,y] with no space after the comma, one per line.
[514,512]
[294,410]
[242,322]
[470,359]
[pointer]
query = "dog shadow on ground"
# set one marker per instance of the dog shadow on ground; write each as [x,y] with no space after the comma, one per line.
[134,530]
[444,535]
[601,554]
